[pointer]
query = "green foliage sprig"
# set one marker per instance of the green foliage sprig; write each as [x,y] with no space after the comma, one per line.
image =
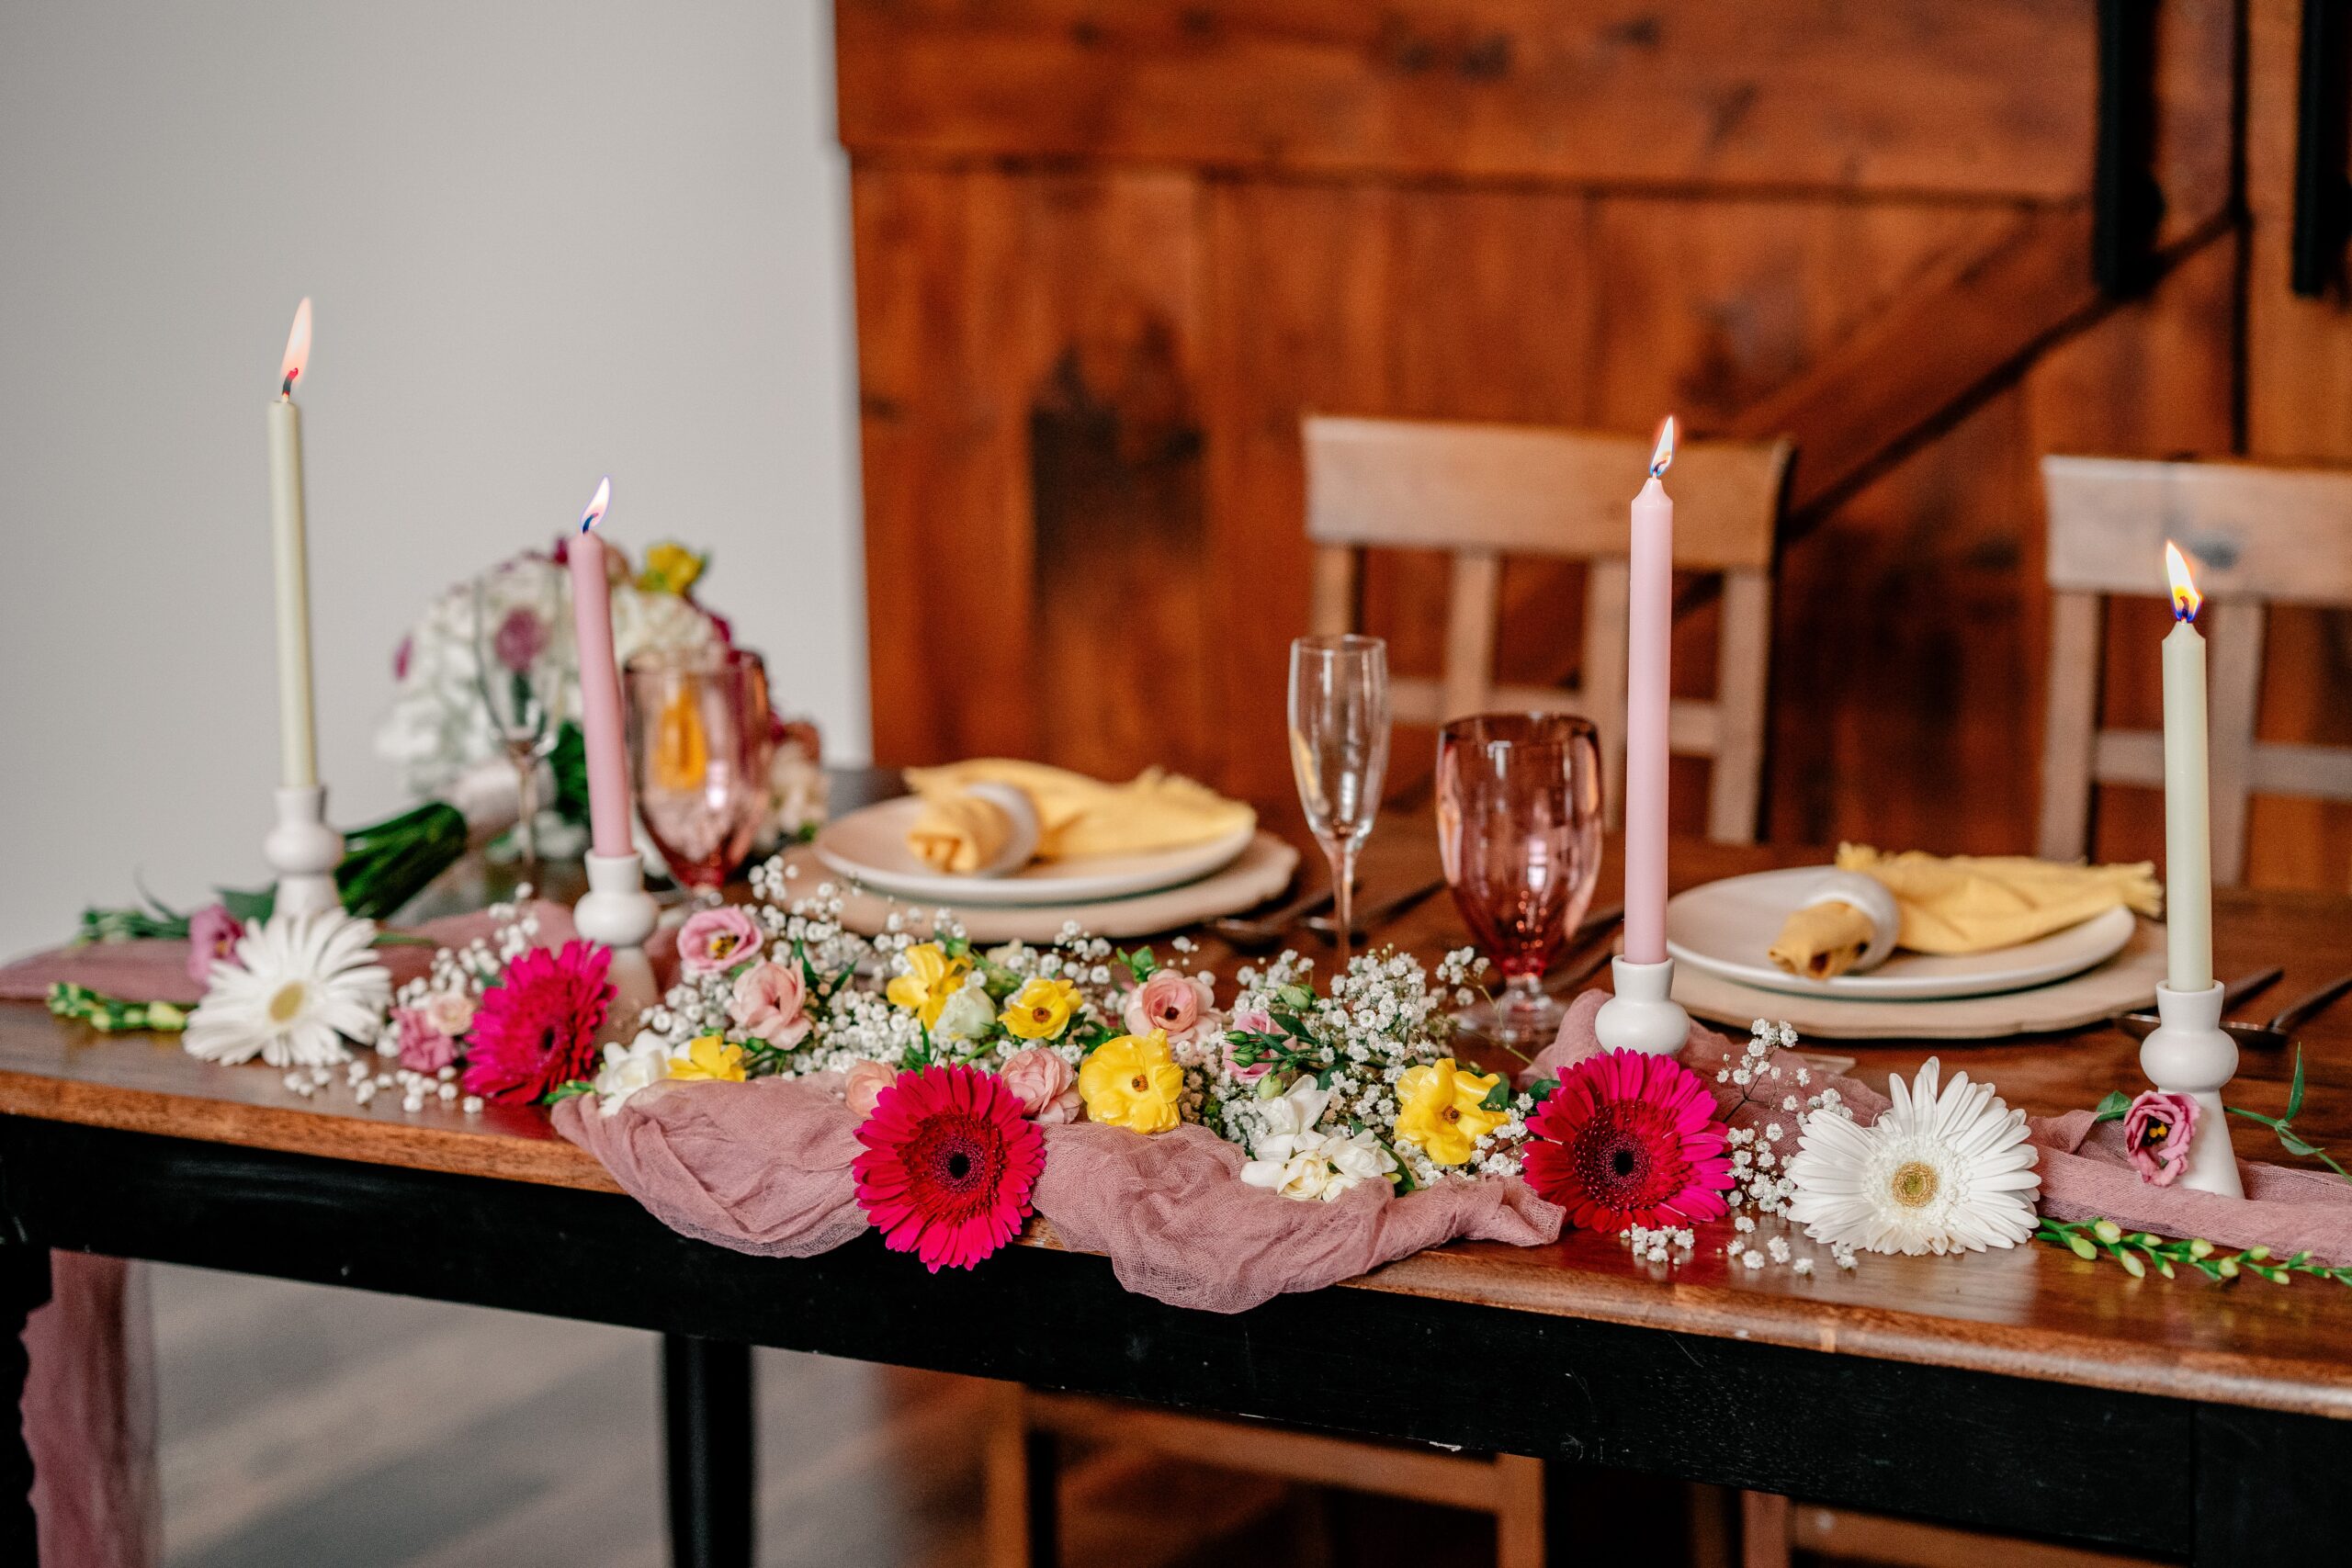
[2139,1251]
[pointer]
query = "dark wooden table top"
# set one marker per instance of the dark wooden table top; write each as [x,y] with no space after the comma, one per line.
[2033,1311]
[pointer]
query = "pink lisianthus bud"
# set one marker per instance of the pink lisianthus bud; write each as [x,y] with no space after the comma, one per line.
[212,935]
[715,941]
[769,1001]
[1045,1084]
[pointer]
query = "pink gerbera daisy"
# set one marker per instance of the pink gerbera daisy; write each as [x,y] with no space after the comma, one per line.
[948,1165]
[1629,1139]
[536,1030]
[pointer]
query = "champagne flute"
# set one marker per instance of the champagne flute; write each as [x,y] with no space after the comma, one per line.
[1339,750]
[1519,832]
[519,670]
[700,738]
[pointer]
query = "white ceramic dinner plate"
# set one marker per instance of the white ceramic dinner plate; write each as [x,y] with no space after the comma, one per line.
[869,846]
[1725,928]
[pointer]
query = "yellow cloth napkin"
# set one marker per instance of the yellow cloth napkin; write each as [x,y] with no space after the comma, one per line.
[1076,815]
[1961,904]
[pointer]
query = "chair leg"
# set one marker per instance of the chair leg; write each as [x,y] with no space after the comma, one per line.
[1763,1530]
[1519,1512]
[23,1285]
[1020,1488]
[713,1481]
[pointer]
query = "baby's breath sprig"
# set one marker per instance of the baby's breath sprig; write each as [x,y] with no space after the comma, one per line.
[2138,1251]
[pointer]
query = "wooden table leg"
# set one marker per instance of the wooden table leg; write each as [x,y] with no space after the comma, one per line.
[23,1285]
[714,1482]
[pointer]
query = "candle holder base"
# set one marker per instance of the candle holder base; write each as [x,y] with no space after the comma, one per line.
[304,852]
[616,910]
[1643,1016]
[2189,1052]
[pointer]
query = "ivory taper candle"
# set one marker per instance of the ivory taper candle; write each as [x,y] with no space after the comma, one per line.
[2188,853]
[297,747]
[1649,678]
[602,732]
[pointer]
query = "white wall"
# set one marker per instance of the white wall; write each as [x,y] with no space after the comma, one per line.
[547,239]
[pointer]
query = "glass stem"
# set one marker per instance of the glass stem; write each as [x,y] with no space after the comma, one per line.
[527,801]
[1522,995]
[1343,901]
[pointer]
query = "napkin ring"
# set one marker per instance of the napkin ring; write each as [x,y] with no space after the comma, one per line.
[1869,895]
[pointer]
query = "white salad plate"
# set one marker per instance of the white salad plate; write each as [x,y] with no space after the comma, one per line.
[869,846]
[1725,927]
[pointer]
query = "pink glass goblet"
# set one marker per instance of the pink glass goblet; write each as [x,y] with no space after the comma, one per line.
[700,739]
[1519,832]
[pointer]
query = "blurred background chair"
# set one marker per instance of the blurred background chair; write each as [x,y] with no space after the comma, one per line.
[2255,536]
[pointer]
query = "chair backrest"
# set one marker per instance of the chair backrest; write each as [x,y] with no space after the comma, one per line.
[2256,535]
[1484,491]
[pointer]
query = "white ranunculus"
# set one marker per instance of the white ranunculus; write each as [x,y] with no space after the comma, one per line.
[967,1015]
[643,1062]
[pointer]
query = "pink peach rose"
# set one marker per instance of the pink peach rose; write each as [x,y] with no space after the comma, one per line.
[2157,1131]
[1170,1001]
[424,1047]
[1047,1087]
[1248,1020]
[451,1012]
[212,935]
[716,941]
[768,1001]
[863,1086]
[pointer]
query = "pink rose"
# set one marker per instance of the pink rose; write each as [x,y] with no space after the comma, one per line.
[521,638]
[451,1012]
[1249,1021]
[716,941]
[212,935]
[1170,1001]
[423,1048]
[2157,1131]
[768,1001]
[1045,1085]
[863,1086]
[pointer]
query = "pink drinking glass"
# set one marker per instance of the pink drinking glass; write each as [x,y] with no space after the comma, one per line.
[1519,830]
[700,741]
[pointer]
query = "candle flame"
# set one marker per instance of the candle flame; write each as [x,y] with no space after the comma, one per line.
[298,348]
[2184,597]
[602,498]
[1662,459]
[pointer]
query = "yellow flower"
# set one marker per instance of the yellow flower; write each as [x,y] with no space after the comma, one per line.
[930,978]
[709,1057]
[670,568]
[1040,1009]
[1133,1082]
[1439,1107]
[681,746]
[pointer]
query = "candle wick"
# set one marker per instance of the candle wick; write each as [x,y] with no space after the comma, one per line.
[286,392]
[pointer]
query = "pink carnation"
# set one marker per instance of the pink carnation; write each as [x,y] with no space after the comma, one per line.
[769,1002]
[2157,1131]
[715,941]
[212,935]
[425,1048]
[864,1084]
[1045,1084]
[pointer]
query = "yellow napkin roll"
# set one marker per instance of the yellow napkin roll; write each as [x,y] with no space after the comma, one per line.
[1076,815]
[1961,904]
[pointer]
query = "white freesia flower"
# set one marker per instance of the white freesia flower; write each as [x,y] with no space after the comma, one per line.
[1940,1171]
[967,1015]
[1297,1160]
[300,985]
[643,1062]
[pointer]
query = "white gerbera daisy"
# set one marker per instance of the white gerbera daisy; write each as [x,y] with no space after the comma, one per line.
[299,982]
[1938,1172]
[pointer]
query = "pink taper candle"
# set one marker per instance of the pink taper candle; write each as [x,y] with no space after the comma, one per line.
[1649,672]
[601,731]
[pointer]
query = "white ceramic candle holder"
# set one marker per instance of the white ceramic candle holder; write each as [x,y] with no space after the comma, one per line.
[304,852]
[1643,1016]
[616,910]
[2189,1052]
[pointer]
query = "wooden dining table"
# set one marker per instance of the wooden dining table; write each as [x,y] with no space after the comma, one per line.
[2022,1391]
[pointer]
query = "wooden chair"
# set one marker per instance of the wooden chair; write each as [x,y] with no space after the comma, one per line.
[1482,492]
[1479,491]
[2255,536]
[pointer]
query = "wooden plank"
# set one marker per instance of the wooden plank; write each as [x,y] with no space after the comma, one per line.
[1993,98]
[1338,589]
[1845,1536]
[1468,682]
[2252,530]
[1742,680]
[2070,725]
[1519,490]
[2235,684]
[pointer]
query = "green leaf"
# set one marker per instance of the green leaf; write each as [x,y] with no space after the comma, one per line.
[2294,1141]
[248,906]
[572,1090]
[1542,1090]
[1497,1097]
[2116,1103]
[2295,1091]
